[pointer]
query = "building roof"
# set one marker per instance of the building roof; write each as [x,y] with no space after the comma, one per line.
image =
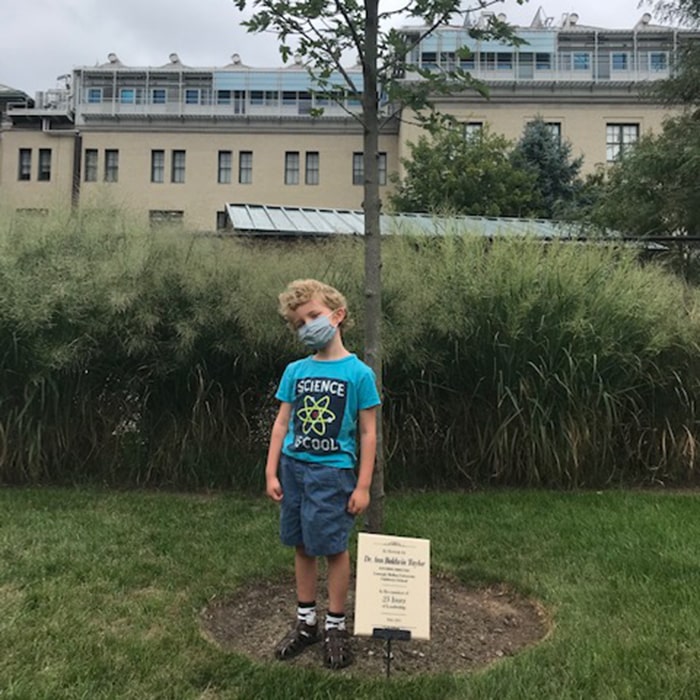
[567,22]
[10,96]
[7,90]
[268,220]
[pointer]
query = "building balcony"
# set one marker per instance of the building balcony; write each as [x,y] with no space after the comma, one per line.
[236,109]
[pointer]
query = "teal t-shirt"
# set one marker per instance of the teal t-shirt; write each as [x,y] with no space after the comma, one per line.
[326,397]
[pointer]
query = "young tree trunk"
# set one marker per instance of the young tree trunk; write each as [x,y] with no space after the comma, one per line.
[320,33]
[373,253]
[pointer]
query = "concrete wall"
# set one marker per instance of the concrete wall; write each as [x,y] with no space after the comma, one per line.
[583,118]
[201,196]
[32,193]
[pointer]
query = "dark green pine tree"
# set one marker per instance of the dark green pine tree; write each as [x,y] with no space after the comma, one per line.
[541,152]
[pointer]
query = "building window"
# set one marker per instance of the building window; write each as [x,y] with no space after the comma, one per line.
[543,61]
[428,60]
[473,129]
[245,167]
[619,138]
[94,95]
[166,217]
[239,98]
[44,164]
[158,96]
[111,165]
[620,61]
[223,221]
[291,168]
[358,168]
[448,60]
[313,165]
[157,166]
[504,61]
[554,129]
[90,165]
[24,170]
[304,102]
[127,96]
[658,60]
[225,166]
[381,165]
[467,62]
[191,96]
[223,97]
[487,60]
[177,173]
[322,99]
[582,60]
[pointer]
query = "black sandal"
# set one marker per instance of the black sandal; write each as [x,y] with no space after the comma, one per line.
[336,648]
[296,640]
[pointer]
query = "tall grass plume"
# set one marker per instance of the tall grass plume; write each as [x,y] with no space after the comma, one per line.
[151,357]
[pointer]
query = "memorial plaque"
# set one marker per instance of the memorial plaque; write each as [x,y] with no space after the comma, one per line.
[392,585]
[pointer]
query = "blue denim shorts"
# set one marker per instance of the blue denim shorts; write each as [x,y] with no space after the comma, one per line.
[314,506]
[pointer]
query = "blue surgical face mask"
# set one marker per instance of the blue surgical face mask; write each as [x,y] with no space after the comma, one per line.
[316,334]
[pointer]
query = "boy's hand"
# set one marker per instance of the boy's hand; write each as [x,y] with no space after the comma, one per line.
[274,488]
[359,500]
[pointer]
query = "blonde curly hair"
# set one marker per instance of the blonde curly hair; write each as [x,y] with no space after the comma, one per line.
[299,292]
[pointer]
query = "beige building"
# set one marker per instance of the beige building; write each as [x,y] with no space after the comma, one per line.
[176,142]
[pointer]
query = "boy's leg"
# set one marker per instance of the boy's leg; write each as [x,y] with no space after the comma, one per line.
[304,632]
[338,581]
[306,573]
[327,526]
[336,640]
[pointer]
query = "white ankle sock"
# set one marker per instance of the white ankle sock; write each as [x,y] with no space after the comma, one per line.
[307,613]
[335,621]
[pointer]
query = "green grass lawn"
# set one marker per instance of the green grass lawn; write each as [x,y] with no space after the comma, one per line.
[100,593]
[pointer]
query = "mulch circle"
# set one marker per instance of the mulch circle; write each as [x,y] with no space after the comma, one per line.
[470,628]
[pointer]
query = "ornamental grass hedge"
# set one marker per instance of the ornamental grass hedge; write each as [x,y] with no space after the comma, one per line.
[150,357]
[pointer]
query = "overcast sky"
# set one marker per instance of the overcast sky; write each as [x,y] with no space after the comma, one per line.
[43,39]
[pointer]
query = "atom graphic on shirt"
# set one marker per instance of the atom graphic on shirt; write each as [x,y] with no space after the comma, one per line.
[314,415]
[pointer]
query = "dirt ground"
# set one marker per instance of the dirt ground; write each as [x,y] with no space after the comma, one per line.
[470,629]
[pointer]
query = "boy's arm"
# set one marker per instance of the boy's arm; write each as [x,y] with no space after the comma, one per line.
[359,500]
[274,451]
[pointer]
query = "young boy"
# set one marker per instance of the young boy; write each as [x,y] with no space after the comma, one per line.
[312,457]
